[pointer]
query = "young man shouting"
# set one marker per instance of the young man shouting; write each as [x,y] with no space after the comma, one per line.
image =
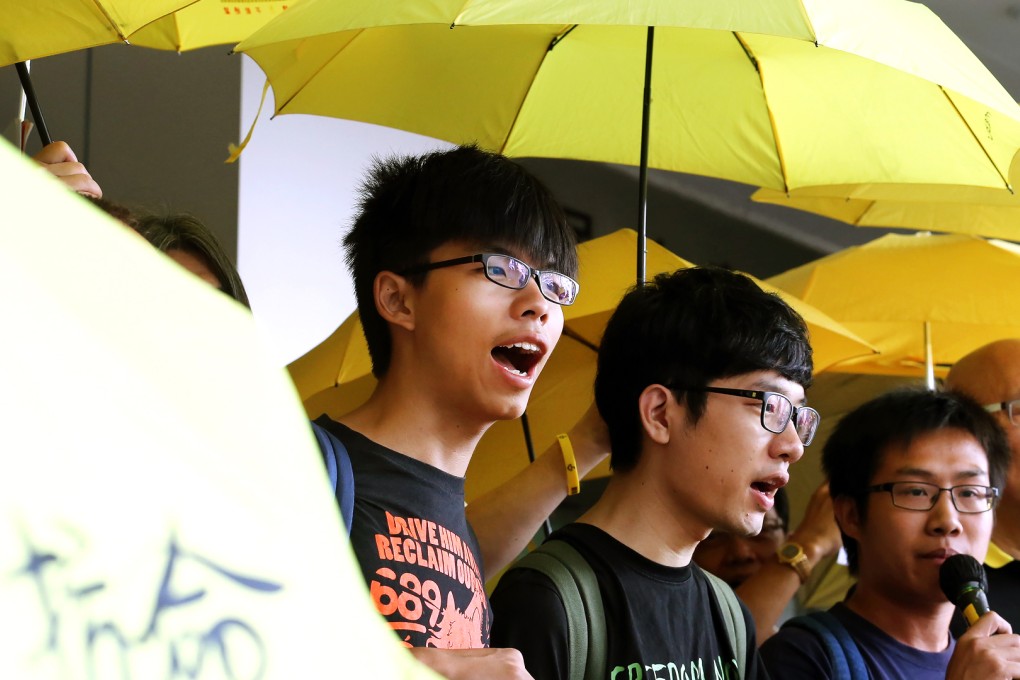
[701,379]
[462,262]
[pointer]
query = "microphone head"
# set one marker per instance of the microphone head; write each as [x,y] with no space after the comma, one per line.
[959,573]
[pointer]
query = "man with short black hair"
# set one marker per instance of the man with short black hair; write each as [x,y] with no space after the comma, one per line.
[701,379]
[914,476]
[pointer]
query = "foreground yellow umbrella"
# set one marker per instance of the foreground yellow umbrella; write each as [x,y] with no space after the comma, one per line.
[980,212]
[135,535]
[209,22]
[923,301]
[780,94]
[335,376]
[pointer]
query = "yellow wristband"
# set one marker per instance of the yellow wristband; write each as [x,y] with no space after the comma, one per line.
[573,481]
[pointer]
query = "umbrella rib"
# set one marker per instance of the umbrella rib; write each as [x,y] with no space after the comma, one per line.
[977,139]
[517,114]
[574,335]
[109,19]
[772,120]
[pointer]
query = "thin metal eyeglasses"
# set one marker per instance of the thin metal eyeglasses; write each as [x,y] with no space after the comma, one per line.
[509,272]
[922,496]
[776,411]
[1012,409]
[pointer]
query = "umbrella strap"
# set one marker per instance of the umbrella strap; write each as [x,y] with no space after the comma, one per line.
[236,149]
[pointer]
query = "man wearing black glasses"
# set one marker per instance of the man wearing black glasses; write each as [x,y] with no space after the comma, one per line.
[991,375]
[914,477]
[701,379]
[462,262]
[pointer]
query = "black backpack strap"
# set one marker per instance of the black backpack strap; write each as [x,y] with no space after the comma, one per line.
[843,654]
[733,616]
[341,474]
[578,588]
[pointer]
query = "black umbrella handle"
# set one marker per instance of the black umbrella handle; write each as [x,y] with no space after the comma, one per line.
[33,103]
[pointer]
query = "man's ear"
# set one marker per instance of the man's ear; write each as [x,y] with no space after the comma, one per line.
[653,410]
[394,299]
[848,517]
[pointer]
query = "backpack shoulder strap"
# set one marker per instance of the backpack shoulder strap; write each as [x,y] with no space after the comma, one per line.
[341,474]
[736,627]
[578,588]
[842,651]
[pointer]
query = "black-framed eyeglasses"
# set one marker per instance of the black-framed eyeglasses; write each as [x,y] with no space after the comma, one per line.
[509,272]
[776,411]
[922,496]
[1012,409]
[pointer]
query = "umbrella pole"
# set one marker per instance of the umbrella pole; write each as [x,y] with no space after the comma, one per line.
[33,103]
[546,524]
[929,362]
[642,250]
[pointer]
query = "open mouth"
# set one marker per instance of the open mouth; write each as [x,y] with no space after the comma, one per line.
[769,486]
[520,358]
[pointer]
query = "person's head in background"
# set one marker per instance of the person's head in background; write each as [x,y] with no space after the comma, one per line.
[118,211]
[410,206]
[735,558]
[192,245]
[900,438]
[991,375]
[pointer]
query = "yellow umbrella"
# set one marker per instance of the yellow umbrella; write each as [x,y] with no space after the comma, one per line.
[47,27]
[144,503]
[957,210]
[335,376]
[780,93]
[42,28]
[209,22]
[923,300]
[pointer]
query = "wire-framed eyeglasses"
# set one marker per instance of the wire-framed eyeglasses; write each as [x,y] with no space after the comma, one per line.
[922,496]
[776,411]
[1012,409]
[509,272]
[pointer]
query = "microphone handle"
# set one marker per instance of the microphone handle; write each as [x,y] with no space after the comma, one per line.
[973,603]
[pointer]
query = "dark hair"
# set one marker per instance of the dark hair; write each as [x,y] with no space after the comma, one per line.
[411,205]
[857,445]
[113,209]
[185,232]
[689,328]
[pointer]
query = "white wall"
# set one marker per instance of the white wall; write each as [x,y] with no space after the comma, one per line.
[298,178]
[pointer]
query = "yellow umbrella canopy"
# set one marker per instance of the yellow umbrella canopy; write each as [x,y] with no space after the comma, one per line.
[46,27]
[980,212]
[335,376]
[889,290]
[209,22]
[125,527]
[777,94]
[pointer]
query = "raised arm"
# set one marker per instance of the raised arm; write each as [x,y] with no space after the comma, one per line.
[507,517]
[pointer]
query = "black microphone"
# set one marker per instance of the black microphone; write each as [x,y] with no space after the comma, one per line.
[963,580]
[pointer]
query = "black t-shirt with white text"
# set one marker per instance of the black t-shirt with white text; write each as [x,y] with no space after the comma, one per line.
[661,622]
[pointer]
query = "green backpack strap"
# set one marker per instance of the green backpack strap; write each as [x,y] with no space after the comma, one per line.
[733,617]
[578,588]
